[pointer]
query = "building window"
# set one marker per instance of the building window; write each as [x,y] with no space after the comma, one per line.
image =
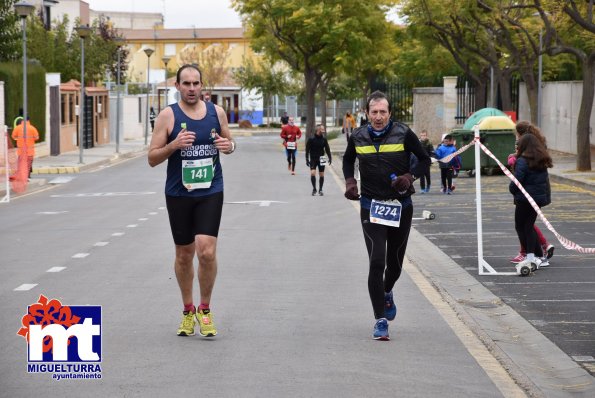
[170,49]
[63,99]
[71,103]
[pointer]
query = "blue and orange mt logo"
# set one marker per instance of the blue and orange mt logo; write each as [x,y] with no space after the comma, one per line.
[57,333]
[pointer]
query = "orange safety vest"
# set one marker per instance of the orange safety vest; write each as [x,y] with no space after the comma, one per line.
[19,137]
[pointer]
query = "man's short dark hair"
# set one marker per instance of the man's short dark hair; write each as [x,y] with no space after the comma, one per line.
[193,66]
[377,96]
[448,137]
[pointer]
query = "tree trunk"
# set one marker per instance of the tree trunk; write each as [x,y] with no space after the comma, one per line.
[531,87]
[323,94]
[583,144]
[505,94]
[311,85]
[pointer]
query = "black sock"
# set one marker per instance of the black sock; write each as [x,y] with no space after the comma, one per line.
[313,179]
[321,183]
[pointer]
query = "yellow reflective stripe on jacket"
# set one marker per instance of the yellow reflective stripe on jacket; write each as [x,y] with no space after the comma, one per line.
[383,148]
[365,149]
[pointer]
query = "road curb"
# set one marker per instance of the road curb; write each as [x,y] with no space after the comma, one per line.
[569,181]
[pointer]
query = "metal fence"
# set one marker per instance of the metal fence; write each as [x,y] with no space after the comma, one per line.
[400,96]
[467,101]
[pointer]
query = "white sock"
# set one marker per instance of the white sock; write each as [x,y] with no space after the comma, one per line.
[531,257]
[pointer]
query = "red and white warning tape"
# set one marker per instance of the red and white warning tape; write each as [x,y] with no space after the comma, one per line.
[568,244]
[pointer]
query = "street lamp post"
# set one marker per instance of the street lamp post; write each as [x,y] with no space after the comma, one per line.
[119,41]
[149,52]
[24,9]
[165,60]
[83,31]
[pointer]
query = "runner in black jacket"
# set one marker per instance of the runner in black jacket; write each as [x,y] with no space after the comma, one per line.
[383,149]
[315,149]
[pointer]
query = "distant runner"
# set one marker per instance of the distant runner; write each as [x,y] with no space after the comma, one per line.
[290,133]
[316,146]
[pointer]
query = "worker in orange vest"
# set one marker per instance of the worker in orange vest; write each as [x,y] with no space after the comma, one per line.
[26,147]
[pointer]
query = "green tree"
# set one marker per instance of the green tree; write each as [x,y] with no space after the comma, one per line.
[312,36]
[570,29]
[10,33]
[109,34]
[59,50]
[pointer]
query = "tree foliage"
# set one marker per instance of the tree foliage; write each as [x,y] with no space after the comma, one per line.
[316,39]
[59,50]
[570,29]
[10,33]
[504,36]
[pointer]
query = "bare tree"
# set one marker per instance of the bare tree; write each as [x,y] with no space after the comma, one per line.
[211,62]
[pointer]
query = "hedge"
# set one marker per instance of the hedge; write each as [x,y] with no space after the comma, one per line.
[12,76]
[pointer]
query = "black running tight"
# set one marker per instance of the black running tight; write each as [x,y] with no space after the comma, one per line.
[524,223]
[291,158]
[386,251]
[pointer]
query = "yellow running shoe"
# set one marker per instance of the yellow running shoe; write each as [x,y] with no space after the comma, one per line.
[187,326]
[205,321]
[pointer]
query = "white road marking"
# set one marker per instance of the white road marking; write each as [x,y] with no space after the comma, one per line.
[261,203]
[101,194]
[56,269]
[153,213]
[101,244]
[51,213]
[60,180]
[80,255]
[118,234]
[132,226]
[142,219]
[25,286]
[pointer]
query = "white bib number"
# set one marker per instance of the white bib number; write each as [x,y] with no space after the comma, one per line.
[291,145]
[387,212]
[197,174]
[323,161]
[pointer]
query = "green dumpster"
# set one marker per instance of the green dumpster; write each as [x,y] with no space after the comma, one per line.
[497,133]
[477,116]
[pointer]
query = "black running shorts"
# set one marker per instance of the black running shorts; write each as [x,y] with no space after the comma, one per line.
[316,164]
[191,216]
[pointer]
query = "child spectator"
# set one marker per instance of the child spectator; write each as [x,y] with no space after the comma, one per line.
[447,168]
[424,179]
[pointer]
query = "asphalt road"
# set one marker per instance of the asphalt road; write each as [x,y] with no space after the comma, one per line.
[290,303]
[559,301]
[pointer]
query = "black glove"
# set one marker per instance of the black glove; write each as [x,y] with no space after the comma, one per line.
[351,192]
[330,161]
[402,183]
[307,163]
